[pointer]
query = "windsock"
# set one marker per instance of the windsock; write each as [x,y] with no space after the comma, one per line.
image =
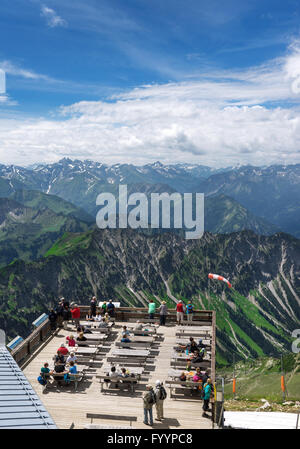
[219,278]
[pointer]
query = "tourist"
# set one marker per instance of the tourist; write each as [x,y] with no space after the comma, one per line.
[98,317]
[205,377]
[191,346]
[114,377]
[76,315]
[180,312]
[188,366]
[63,350]
[80,339]
[163,310]
[52,319]
[71,340]
[93,306]
[73,368]
[148,402]
[45,369]
[103,307]
[125,335]
[66,314]
[72,358]
[111,309]
[196,357]
[151,309]
[59,312]
[59,358]
[182,377]
[83,329]
[207,390]
[160,395]
[189,312]
[138,326]
[197,376]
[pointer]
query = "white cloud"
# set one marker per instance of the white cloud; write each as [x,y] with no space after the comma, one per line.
[221,118]
[53,19]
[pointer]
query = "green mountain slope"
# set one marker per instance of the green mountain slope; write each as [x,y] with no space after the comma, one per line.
[28,232]
[254,318]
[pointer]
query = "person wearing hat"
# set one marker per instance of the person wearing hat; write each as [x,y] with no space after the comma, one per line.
[148,400]
[163,310]
[160,395]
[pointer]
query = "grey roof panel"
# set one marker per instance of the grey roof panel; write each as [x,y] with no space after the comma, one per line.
[20,407]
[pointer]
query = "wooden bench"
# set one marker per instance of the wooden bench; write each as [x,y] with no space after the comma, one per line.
[111,417]
[127,361]
[133,344]
[130,382]
[186,385]
[183,363]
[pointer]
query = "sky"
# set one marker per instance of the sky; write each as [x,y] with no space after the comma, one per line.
[136,81]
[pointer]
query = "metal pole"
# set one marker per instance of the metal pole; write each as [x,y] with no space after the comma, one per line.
[282,374]
[233,376]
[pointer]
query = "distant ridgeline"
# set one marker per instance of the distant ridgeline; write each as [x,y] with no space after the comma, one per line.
[254,318]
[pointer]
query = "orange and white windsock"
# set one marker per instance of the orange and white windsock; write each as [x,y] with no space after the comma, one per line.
[219,278]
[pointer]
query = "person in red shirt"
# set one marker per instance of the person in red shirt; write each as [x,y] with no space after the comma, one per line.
[63,350]
[180,312]
[76,314]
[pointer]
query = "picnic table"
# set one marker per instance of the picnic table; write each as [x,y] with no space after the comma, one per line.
[131,352]
[95,337]
[177,372]
[85,350]
[137,370]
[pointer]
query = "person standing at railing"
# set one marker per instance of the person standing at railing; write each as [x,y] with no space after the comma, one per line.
[189,312]
[111,309]
[151,309]
[52,319]
[180,312]
[163,310]
[93,307]
[76,315]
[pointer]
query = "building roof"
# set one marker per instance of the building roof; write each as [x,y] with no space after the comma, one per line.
[20,407]
[261,420]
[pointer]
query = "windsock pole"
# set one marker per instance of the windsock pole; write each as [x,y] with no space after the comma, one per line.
[234,380]
[282,379]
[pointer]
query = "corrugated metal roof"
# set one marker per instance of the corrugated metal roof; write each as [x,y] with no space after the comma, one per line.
[20,407]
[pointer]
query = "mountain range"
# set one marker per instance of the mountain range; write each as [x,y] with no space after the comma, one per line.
[50,246]
[254,318]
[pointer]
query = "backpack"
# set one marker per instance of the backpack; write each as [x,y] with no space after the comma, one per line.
[152,398]
[162,393]
[189,308]
[41,380]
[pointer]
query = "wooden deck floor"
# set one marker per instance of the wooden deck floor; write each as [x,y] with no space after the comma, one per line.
[68,407]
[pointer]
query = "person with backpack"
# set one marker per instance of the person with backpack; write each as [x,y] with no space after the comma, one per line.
[163,310]
[189,312]
[111,309]
[149,400]
[160,395]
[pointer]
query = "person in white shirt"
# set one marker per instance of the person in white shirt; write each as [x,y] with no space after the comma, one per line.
[72,358]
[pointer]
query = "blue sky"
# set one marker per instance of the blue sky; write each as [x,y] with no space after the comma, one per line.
[84,55]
